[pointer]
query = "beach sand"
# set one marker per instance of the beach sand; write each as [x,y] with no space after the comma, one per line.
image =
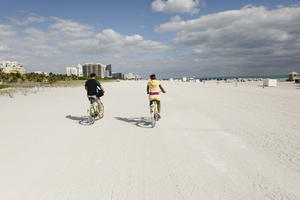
[213,142]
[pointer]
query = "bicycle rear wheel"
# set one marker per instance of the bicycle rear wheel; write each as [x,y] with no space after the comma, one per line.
[89,120]
[153,120]
[153,113]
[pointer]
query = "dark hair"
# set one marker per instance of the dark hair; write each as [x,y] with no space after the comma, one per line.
[152,76]
[92,75]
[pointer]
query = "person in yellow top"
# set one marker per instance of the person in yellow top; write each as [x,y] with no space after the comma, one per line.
[153,89]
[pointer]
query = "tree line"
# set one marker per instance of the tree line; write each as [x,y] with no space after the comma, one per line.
[34,77]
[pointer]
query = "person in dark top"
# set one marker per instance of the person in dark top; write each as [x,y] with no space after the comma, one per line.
[92,86]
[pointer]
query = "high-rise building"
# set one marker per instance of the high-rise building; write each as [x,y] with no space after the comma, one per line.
[79,70]
[97,68]
[108,70]
[12,67]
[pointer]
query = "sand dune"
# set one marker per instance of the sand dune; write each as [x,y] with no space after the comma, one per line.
[213,142]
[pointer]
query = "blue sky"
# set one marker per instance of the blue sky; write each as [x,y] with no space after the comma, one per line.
[170,37]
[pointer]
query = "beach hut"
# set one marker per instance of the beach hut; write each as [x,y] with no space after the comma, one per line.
[293,76]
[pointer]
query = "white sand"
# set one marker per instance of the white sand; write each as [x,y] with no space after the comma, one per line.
[213,142]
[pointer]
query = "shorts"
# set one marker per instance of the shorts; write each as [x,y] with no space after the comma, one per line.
[154,97]
[94,98]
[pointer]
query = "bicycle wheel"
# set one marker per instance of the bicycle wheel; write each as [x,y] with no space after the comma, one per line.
[153,113]
[153,120]
[89,120]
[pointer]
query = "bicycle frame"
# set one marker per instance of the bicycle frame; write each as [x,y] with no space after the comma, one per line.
[93,109]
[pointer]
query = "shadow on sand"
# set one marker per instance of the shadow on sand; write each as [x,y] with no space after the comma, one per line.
[75,118]
[143,122]
[83,120]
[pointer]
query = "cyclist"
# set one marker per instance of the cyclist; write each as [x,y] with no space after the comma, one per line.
[93,86]
[153,88]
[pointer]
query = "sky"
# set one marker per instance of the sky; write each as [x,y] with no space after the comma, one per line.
[171,38]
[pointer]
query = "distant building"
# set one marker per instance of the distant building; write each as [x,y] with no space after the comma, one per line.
[97,68]
[118,75]
[79,70]
[39,72]
[131,76]
[108,71]
[72,71]
[12,67]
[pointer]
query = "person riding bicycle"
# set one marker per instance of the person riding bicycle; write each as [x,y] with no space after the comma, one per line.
[153,89]
[93,88]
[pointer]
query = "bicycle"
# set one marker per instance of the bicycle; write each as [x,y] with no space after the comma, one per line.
[154,113]
[93,112]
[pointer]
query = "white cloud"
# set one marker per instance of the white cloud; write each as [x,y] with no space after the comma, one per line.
[4,48]
[252,37]
[65,42]
[68,28]
[109,41]
[176,6]
[6,30]
[28,20]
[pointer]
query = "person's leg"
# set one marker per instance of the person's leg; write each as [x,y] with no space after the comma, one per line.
[158,106]
[100,108]
[150,103]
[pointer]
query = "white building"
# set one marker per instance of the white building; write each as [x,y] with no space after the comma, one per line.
[79,70]
[72,71]
[131,76]
[12,67]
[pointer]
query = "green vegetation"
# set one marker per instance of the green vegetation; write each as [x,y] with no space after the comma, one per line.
[56,80]
[34,77]
[4,86]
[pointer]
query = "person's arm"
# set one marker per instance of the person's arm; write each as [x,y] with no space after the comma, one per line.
[101,88]
[148,89]
[85,86]
[162,89]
